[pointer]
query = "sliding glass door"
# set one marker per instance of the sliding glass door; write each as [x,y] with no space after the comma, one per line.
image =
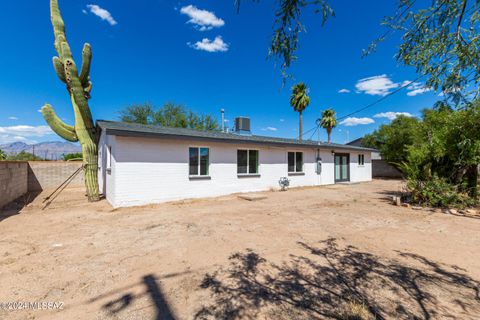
[342,167]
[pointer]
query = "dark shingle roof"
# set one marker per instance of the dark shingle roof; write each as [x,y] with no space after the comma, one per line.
[141,130]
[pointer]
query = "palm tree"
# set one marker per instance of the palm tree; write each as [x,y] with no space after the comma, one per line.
[300,100]
[328,121]
[3,155]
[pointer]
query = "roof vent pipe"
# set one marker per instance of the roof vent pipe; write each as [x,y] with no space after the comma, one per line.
[223,119]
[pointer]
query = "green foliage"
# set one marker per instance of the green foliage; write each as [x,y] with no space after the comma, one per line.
[138,113]
[3,155]
[288,26]
[73,156]
[439,154]
[170,115]
[392,139]
[442,42]
[24,156]
[300,100]
[439,192]
[328,122]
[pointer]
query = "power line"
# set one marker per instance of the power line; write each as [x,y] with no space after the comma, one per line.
[382,98]
[316,129]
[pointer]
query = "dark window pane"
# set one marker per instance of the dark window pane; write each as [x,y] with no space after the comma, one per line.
[299,158]
[193,162]
[361,159]
[253,161]
[241,161]
[291,162]
[204,161]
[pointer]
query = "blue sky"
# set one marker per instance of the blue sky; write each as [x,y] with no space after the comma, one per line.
[206,56]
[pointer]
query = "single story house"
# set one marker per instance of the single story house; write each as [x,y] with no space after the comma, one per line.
[144,164]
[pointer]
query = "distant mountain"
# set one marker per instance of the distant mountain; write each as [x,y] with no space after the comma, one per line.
[52,150]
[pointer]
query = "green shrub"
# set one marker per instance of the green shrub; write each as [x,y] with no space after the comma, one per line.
[438,192]
[73,156]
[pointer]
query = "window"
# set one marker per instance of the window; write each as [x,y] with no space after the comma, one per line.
[199,161]
[108,154]
[295,162]
[361,159]
[247,162]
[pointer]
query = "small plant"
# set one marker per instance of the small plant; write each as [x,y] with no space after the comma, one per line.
[355,311]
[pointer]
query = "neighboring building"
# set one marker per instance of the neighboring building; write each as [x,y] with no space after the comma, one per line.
[142,164]
[380,167]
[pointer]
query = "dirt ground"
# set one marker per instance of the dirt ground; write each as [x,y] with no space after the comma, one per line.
[302,254]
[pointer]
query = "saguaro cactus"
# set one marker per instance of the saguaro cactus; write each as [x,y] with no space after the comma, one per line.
[79,87]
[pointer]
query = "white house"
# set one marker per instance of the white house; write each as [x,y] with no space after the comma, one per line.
[143,164]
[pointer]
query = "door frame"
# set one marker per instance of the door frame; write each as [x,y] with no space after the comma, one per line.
[335,165]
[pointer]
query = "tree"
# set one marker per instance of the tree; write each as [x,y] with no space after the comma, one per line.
[449,146]
[170,115]
[24,156]
[288,26]
[393,139]
[441,41]
[78,86]
[3,155]
[138,113]
[73,156]
[328,122]
[439,153]
[300,100]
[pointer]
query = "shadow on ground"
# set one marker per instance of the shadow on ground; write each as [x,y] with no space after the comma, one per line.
[127,296]
[329,277]
[14,207]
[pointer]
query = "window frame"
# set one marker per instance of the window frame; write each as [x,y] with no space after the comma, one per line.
[248,174]
[295,172]
[362,162]
[199,165]
[108,158]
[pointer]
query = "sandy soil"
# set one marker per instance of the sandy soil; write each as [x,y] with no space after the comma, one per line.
[301,254]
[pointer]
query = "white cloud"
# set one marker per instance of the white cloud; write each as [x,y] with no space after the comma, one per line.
[343,91]
[352,121]
[216,45]
[269,129]
[84,11]
[202,19]
[377,86]
[382,85]
[23,133]
[102,14]
[12,118]
[392,115]
[415,88]
[282,120]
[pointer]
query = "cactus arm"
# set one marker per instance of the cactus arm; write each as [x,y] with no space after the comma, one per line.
[58,126]
[86,62]
[59,69]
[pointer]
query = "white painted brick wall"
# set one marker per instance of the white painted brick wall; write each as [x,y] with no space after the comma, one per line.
[148,170]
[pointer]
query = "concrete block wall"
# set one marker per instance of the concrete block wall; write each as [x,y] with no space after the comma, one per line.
[44,175]
[382,169]
[13,180]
